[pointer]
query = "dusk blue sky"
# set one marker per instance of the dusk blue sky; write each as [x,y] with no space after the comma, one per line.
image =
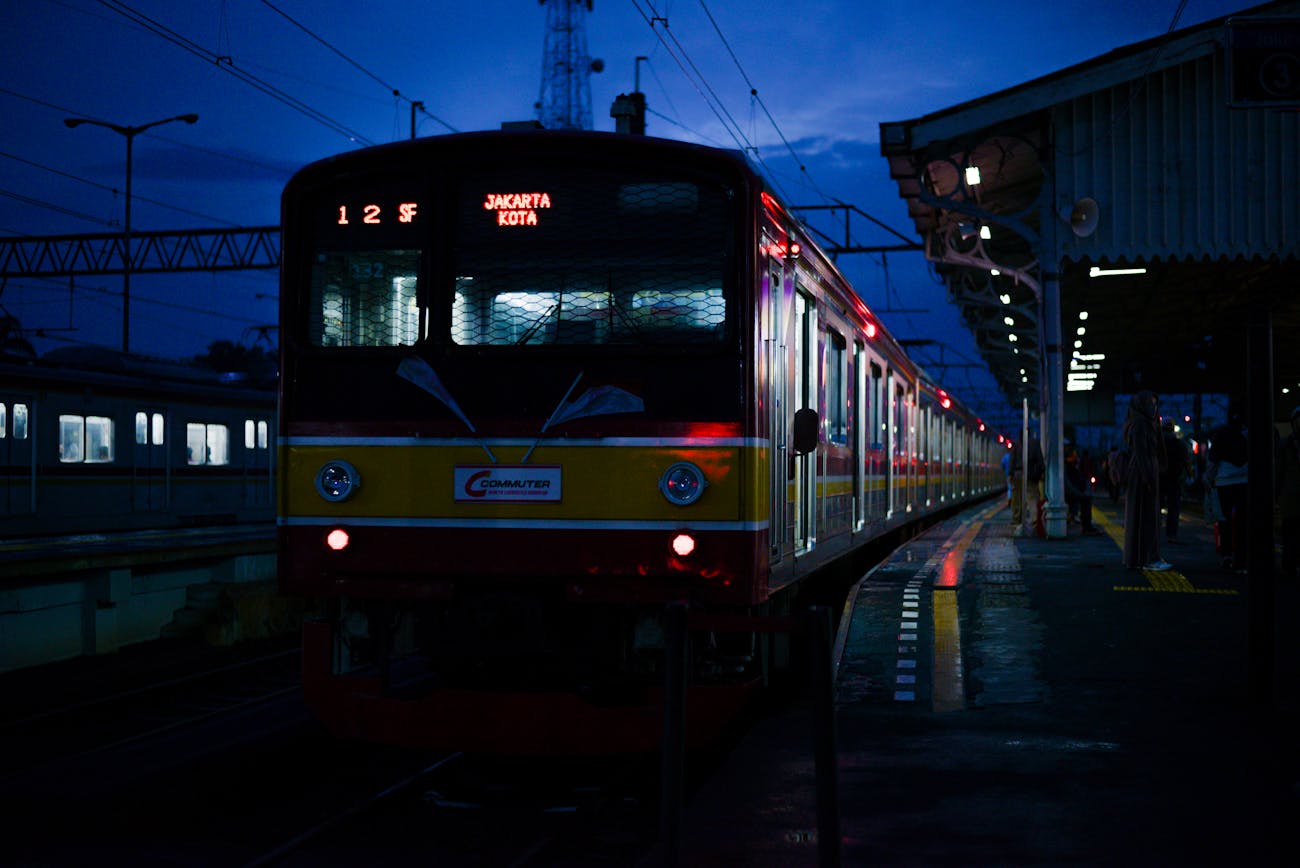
[828,73]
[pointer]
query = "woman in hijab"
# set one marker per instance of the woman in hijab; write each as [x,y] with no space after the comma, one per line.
[1146,461]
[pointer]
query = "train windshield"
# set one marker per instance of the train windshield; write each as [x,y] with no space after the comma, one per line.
[539,256]
[555,258]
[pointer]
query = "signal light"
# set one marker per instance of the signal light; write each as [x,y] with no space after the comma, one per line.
[337,539]
[683,544]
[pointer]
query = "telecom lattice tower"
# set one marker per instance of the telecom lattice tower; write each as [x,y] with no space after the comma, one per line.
[565,102]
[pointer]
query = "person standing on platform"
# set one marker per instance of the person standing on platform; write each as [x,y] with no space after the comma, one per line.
[1016,470]
[1006,470]
[1171,481]
[1078,491]
[1229,457]
[1034,486]
[1112,473]
[1142,484]
[1288,496]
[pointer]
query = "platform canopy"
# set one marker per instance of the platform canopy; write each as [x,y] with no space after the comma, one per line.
[1176,160]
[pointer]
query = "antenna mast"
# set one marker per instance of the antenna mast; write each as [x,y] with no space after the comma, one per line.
[565,102]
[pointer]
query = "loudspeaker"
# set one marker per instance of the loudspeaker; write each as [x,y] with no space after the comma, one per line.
[1084,217]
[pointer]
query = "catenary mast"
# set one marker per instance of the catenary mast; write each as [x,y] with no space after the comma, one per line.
[565,102]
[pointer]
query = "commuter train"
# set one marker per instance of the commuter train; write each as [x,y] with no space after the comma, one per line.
[93,441]
[537,385]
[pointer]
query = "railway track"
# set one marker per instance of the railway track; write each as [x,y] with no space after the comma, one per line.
[144,712]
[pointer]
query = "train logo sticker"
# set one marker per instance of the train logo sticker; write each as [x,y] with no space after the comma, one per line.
[507,483]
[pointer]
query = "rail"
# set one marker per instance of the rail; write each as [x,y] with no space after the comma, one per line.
[815,626]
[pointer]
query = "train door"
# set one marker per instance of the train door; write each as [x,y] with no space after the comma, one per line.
[775,344]
[907,400]
[17,460]
[149,469]
[806,390]
[891,447]
[924,472]
[878,443]
[859,435]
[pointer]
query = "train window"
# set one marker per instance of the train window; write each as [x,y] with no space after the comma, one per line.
[149,428]
[85,439]
[255,434]
[4,421]
[20,421]
[364,299]
[653,308]
[837,415]
[207,443]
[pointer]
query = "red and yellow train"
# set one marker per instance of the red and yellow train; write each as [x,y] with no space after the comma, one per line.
[536,385]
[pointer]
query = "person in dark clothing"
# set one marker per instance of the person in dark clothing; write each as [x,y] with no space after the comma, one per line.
[1171,481]
[1142,483]
[1229,472]
[1078,491]
[1288,496]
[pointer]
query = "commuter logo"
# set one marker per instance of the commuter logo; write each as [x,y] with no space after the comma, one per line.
[505,483]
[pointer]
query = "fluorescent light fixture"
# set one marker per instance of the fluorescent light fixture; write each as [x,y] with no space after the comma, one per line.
[1005,298]
[994,272]
[1012,338]
[1078,344]
[972,175]
[1110,272]
[1008,320]
[1083,314]
[1081,331]
[985,232]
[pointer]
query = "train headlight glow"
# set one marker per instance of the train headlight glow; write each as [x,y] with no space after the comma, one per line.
[683,483]
[337,480]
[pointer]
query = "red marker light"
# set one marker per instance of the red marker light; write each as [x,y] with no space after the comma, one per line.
[871,330]
[683,544]
[338,539]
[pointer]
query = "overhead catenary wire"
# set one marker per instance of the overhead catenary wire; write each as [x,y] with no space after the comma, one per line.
[227,64]
[113,190]
[419,105]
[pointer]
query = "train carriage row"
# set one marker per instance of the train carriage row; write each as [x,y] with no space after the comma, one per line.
[111,443]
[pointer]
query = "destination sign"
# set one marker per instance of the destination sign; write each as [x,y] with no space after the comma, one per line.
[516,209]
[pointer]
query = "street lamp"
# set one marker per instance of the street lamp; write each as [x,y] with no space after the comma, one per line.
[129,133]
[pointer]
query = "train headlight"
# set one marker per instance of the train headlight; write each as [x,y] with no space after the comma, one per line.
[683,483]
[337,480]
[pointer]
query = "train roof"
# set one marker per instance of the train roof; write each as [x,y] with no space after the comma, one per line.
[123,372]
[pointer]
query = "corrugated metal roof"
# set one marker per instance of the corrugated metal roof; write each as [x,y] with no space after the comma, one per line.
[1207,194]
[1175,172]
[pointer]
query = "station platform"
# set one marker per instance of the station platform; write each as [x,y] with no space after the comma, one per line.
[1011,700]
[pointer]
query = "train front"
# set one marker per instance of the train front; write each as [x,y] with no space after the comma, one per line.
[514,425]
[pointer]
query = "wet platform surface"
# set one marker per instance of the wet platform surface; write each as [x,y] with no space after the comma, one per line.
[1007,700]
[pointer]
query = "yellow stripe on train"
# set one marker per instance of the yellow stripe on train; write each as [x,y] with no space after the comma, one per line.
[618,481]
